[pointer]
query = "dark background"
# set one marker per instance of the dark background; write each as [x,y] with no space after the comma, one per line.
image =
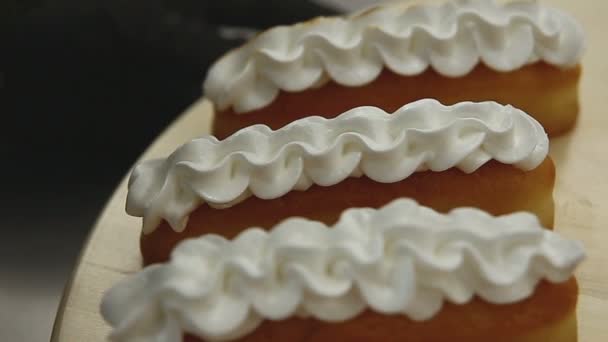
[85,86]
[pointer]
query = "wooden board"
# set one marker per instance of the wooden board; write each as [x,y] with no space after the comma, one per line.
[581,196]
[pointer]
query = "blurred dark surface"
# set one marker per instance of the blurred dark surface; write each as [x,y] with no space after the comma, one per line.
[85,86]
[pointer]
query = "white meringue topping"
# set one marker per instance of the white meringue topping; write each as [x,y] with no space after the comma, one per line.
[387,148]
[352,51]
[401,259]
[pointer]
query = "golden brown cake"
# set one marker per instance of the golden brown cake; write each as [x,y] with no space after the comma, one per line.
[403,272]
[523,53]
[483,155]
[549,315]
[548,92]
[494,187]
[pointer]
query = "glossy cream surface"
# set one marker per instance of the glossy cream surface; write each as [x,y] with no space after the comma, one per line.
[451,38]
[257,161]
[400,259]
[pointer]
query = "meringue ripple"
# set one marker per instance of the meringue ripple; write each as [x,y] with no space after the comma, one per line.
[400,259]
[387,148]
[352,51]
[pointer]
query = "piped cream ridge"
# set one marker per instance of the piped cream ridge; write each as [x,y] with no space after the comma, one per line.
[400,259]
[451,38]
[387,148]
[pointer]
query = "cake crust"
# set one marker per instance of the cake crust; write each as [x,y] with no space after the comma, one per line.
[549,315]
[495,187]
[546,92]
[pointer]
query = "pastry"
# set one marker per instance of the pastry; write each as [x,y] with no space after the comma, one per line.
[403,272]
[482,155]
[521,53]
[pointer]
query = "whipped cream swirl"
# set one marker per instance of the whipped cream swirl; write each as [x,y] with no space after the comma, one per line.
[401,259]
[387,148]
[352,51]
